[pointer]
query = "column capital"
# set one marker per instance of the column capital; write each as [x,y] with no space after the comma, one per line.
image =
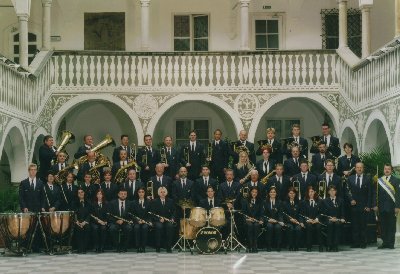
[145,3]
[47,3]
[22,8]
[365,3]
[244,3]
[342,1]
[23,16]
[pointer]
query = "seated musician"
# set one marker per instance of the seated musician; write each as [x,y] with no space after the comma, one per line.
[88,166]
[119,219]
[141,227]
[331,178]
[333,210]
[211,201]
[290,213]
[305,178]
[110,188]
[273,219]
[82,210]
[164,207]
[69,191]
[309,216]
[254,182]
[52,195]
[242,168]
[319,159]
[132,184]
[253,207]
[279,181]
[85,148]
[61,162]
[347,162]
[89,187]
[99,221]
[229,190]
[266,164]
[201,184]
[123,161]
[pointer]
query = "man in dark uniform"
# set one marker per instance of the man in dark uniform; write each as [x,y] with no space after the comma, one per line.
[132,184]
[159,180]
[360,194]
[182,189]
[255,183]
[147,159]
[31,192]
[210,200]
[192,156]
[52,194]
[172,164]
[244,142]
[276,146]
[332,143]
[47,153]
[296,140]
[87,146]
[305,178]
[348,161]
[331,178]
[88,187]
[280,182]
[110,188]
[124,146]
[219,157]
[202,183]
[292,164]
[318,159]
[122,161]
[69,192]
[229,189]
[386,201]
[87,166]
[266,164]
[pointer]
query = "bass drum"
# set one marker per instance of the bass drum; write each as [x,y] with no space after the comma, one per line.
[208,240]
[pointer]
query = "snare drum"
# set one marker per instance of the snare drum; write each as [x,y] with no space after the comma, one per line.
[190,230]
[217,216]
[208,240]
[198,217]
[57,222]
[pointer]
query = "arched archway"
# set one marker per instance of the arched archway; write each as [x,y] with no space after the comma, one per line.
[396,143]
[376,133]
[348,134]
[37,141]
[96,117]
[316,100]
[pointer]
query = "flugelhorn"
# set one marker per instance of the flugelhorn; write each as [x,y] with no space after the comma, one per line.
[94,171]
[122,173]
[61,176]
[263,144]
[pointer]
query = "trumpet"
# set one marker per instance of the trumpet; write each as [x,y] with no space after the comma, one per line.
[322,187]
[61,176]
[140,220]
[309,219]
[66,138]
[121,174]
[163,156]
[161,217]
[108,140]
[264,180]
[186,154]
[150,189]
[254,220]
[122,219]
[297,186]
[209,152]
[97,219]
[133,153]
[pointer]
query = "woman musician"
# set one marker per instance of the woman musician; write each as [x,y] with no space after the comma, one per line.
[52,194]
[242,168]
[99,221]
[290,212]
[82,210]
[273,219]
[253,208]
[141,217]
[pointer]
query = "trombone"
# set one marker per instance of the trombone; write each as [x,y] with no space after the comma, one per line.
[322,187]
[297,186]
[163,156]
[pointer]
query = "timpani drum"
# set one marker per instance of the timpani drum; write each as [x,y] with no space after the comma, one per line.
[217,216]
[198,217]
[58,228]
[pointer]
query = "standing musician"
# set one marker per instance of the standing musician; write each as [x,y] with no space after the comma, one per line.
[347,161]
[255,183]
[290,213]
[119,218]
[386,203]
[275,145]
[332,143]
[88,166]
[319,159]
[160,179]
[147,159]
[52,195]
[273,219]
[82,210]
[69,192]
[309,214]
[253,207]
[165,208]
[31,191]
[201,184]
[85,148]
[132,184]
[99,221]
[305,178]
[89,188]
[292,164]
[296,140]
[243,167]
[110,188]
[47,153]
[124,146]
[172,164]
[182,190]
[219,156]
[279,181]
[244,143]
[210,201]
[192,156]
[266,164]
[141,227]
[360,186]
[333,207]
[331,178]
[120,163]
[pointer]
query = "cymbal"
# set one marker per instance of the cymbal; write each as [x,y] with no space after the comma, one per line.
[185,203]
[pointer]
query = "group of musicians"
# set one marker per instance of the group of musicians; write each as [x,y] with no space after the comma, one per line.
[293,196]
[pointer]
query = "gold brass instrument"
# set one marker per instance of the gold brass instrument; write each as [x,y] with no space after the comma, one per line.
[97,219]
[163,155]
[322,186]
[316,140]
[122,173]
[296,185]
[186,154]
[66,138]
[161,217]
[119,218]
[245,191]
[140,220]
[94,171]
[241,148]
[107,141]
[290,145]
[245,178]
[265,179]
[132,156]
[150,189]
[209,152]
[251,219]
[144,156]
[61,176]
[264,144]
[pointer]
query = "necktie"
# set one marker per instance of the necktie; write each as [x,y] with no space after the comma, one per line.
[333,201]
[312,203]
[82,204]
[159,179]
[69,187]
[192,146]
[387,178]
[323,159]
[330,179]
[183,183]
[325,140]
[291,203]
[279,180]
[358,182]
[169,151]
[163,202]
[243,143]
[122,209]
[211,203]
[266,166]
[269,142]
[229,184]
[349,160]
[296,162]
[33,186]
[253,201]
[297,140]
[304,177]
[141,203]
[51,187]
[100,205]
[205,181]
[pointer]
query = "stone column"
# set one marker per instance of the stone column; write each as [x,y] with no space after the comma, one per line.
[342,23]
[366,30]
[46,22]
[145,26]
[397,18]
[22,9]
[244,23]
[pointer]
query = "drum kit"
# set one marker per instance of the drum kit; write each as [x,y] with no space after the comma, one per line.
[19,229]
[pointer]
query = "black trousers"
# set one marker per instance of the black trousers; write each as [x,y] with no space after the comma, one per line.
[82,236]
[141,231]
[294,235]
[359,225]
[127,232]
[162,228]
[388,228]
[274,231]
[253,229]
[313,229]
[333,234]
[99,233]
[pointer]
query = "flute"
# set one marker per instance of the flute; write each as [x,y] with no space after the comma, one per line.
[161,217]
[121,219]
[140,220]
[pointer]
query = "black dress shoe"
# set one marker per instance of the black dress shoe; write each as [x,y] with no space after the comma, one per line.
[158,250]
[355,246]
[363,246]
[269,249]
[255,250]
[278,249]
[382,247]
[308,249]
[335,249]
[138,250]
[391,247]
[321,249]
[143,250]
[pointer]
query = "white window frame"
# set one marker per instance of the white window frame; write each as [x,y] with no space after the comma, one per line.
[192,126]
[280,16]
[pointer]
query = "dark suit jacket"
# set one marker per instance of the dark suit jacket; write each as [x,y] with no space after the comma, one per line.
[90,191]
[81,152]
[317,163]
[276,154]
[333,148]
[196,159]
[173,162]
[304,147]
[53,197]
[328,208]
[274,212]
[255,211]
[46,154]
[291,168]
[310,181]
[100,212]
[115,157]
[337,182]
[346,165]
[291,210]
[225,192]
[179,193]
[250,146]
[166,182]
[281,189]
[132,192]
[260,167]
[385,203]
[240,173]
[153,158]
[200,189]
[29,198]
[167,211]
[363,195]
[311,212]
[111,193]
[83,211]
[141,212]
[260,187]
[204,203]
[114,209]
[219,156]
[71,197]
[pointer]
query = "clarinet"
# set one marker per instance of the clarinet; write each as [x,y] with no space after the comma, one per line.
[140,220]
[122,219]
[161,217]
[290,217]
[331,217]
[97,219]
[307,218]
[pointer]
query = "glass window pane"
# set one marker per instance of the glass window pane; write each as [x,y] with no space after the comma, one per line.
[273,41]
[31,37]
[288,127]
[16,37]
[261,26]
[16,60]
[200,26]
[32,49]
[200,44]
[332,43]
[181,26]
[272,26]
[277,125]
[201,127]
[183,129]
[16,49]
[332,25]
[30,59]
[181,44]
[261,41]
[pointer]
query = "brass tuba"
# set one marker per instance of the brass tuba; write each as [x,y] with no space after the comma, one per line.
[108,140]
[94,171]
[61,176]
[66,138]
[121,174]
